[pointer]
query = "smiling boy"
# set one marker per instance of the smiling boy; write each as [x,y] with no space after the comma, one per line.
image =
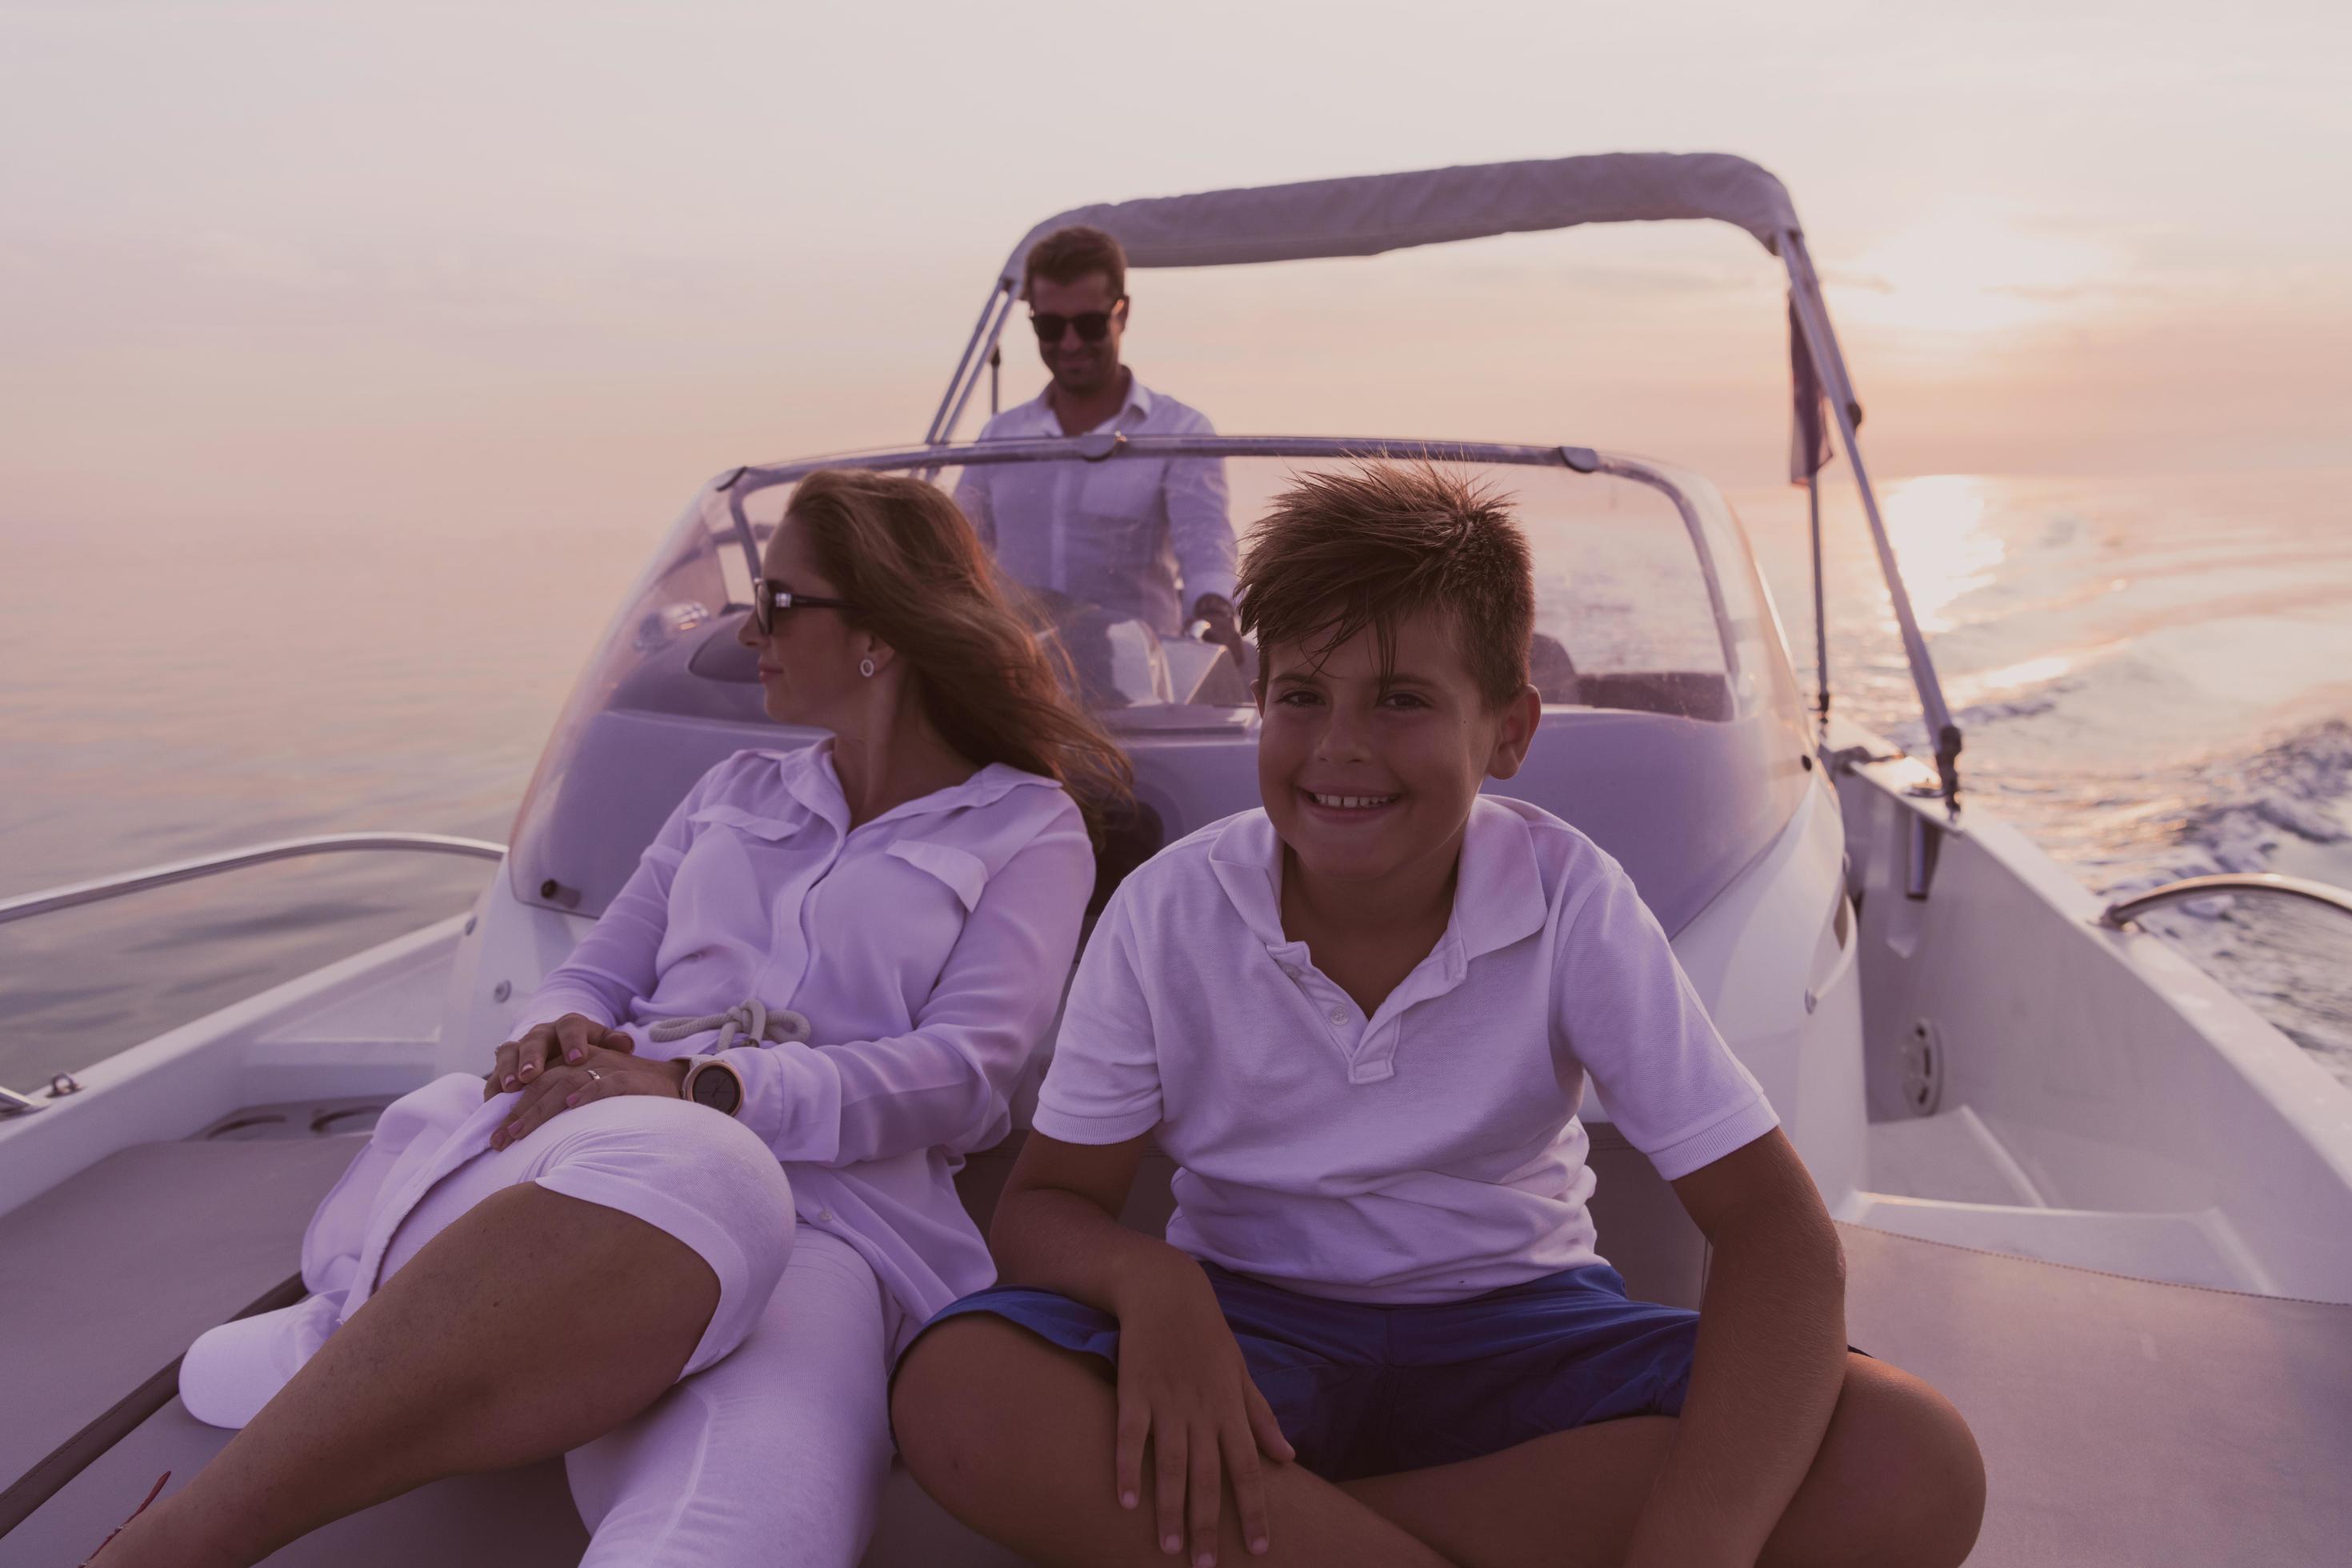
[1361,1021]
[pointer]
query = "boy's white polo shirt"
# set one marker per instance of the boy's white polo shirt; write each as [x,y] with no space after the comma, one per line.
[1431,1152]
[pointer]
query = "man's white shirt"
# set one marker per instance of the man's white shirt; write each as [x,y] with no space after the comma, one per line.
[1145,537]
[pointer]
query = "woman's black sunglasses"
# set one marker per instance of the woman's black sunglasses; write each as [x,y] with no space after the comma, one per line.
[1093,326]
[769,597]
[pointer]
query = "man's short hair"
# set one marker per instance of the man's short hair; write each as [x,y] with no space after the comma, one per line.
[1372,546]
[1069,254]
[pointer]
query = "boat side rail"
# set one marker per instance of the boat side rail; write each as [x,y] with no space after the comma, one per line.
[2124,911]
[99,889]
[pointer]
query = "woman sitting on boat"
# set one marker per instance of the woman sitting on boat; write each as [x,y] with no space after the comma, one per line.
[707,1194]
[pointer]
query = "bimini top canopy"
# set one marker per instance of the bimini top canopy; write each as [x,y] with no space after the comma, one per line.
[1366,214]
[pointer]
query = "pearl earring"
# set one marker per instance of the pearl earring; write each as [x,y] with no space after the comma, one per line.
[866,667]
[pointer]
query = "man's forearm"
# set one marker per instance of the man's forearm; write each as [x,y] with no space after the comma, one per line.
[1201,531]
[1770,1364]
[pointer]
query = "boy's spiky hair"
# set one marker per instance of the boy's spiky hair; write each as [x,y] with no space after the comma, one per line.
[1370,545]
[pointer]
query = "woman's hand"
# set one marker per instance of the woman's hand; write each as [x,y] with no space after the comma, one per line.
[600,1074]
[1183,1385]
[570,1037]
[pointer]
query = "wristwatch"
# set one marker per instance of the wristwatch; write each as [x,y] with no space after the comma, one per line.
[714,1083]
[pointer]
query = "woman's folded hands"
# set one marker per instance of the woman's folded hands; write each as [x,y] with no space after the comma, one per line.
[567,1063]
[566,1040]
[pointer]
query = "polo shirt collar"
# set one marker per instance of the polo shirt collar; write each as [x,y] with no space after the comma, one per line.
[1499,899]
[1498,895]
[1247,860]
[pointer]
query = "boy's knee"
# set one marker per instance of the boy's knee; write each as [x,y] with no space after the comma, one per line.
[1916,1481]
[954,1401]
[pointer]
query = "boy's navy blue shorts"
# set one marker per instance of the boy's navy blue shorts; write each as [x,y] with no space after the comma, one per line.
[1366,1390]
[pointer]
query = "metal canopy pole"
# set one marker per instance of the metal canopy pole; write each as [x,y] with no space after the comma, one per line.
[940,420]
[988,352]
[1812,315]
[1820,597]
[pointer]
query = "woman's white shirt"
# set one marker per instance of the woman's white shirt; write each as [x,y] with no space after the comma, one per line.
[927,948]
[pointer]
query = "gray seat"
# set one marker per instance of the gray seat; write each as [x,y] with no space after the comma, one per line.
[2121,1421]
[513,1519]
[108,1275]
[184,1234]
[1601,768]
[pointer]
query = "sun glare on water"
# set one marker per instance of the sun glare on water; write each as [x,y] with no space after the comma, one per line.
[1944,541]
[1961,274]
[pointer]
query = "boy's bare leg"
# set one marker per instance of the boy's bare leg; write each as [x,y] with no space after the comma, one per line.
[1014,1437]
[533,1323]
[1898,1482]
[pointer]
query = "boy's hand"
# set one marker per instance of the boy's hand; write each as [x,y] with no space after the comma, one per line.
[1182,1384]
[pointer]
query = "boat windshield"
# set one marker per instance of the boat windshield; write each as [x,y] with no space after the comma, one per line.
[1646,601]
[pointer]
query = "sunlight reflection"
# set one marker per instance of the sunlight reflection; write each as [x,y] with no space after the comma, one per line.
[2026,672]
[1959,273]
[1937,525]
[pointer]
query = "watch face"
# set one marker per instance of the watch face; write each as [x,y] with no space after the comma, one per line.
[715,1087]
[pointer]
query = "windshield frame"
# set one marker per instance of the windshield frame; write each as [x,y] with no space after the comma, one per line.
[1707,533]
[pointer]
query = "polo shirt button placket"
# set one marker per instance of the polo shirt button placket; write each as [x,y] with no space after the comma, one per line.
[1375,1060]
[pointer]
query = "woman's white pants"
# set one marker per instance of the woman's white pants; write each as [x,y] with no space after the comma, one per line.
[773,1446]
[775,1455]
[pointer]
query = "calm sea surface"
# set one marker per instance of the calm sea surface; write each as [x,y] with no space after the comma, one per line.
[2155,677]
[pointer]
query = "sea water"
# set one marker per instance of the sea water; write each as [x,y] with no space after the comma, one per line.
[2155,679]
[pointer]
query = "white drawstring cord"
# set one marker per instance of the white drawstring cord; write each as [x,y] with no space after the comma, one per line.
[750,1021]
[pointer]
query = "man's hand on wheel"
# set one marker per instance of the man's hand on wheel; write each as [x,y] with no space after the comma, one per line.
[1223,628]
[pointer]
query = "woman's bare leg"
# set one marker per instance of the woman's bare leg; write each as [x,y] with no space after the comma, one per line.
[1014,1437]
[532,1325]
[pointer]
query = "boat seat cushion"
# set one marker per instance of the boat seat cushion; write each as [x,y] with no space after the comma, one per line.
[2120,1420]
[1683,805]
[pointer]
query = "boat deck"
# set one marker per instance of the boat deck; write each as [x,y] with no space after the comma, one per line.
[2122,1421]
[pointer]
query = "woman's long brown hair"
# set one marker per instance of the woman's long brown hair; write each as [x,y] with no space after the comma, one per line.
[900,550]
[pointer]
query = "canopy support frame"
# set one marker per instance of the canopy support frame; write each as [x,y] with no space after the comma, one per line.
[985,334]
[1821,604]
[1774,223]
[1813,317]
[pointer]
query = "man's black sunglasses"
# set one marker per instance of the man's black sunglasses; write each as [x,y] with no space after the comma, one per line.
[769,597]
[1093,326]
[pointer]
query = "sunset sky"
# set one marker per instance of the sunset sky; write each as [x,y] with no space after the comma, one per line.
[425,266]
